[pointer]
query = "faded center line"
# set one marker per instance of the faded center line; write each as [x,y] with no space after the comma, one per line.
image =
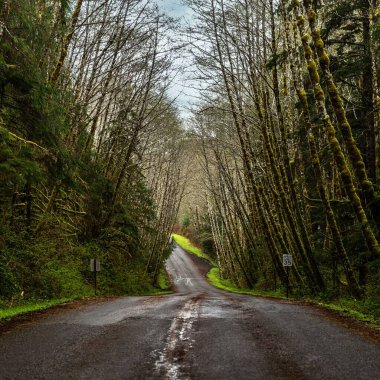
[170,362]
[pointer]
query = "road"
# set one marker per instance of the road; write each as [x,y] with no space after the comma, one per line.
[197,333]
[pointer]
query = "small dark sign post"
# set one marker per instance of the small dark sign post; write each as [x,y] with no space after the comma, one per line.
[95,267]
[287,262]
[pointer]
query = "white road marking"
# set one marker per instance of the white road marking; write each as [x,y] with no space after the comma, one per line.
[188,281]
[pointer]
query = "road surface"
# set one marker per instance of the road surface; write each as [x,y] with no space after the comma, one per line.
[197,333]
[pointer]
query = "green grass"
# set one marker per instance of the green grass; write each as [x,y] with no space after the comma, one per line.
[358,310]
[8,312]
[186,244]
[31,306]
[354,309]
[215,280]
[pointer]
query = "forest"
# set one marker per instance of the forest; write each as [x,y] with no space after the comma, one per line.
[280,155]
[90,148]
[287,132]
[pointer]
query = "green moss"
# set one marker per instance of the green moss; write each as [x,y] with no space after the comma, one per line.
[361,167]
[305,38]
[367,185]
[334,142]
[312,67]
[333,91]
[318,42]
[319,94]
[324,59]
[312,17]
[302,93]
[301,21]
[330,128]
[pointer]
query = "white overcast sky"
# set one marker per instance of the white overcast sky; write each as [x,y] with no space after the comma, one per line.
[175,8]
[180,87]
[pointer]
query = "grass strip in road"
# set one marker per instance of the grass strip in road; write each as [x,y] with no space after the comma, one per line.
[186,244]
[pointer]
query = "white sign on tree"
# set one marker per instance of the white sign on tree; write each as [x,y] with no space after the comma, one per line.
[287,260]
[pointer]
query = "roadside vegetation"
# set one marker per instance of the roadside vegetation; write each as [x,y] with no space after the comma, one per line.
[285,147]
[90,149]
[18,307]
[363,310]
[7,311]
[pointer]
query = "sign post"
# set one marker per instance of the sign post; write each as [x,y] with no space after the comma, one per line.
[95,267]
[287,262]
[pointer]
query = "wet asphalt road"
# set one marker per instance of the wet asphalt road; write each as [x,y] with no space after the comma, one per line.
[198,333]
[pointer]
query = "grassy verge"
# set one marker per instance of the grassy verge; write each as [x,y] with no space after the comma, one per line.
[30,306]
[215,280]
[346,307]
[186,244]
[353,309]
[8,311]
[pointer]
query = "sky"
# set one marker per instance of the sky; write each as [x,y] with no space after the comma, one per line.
[175,8]
[180,87]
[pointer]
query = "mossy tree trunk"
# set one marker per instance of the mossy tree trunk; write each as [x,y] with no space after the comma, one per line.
[340,160]
[355,156]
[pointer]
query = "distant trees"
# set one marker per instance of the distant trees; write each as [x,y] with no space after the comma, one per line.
[288,169]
